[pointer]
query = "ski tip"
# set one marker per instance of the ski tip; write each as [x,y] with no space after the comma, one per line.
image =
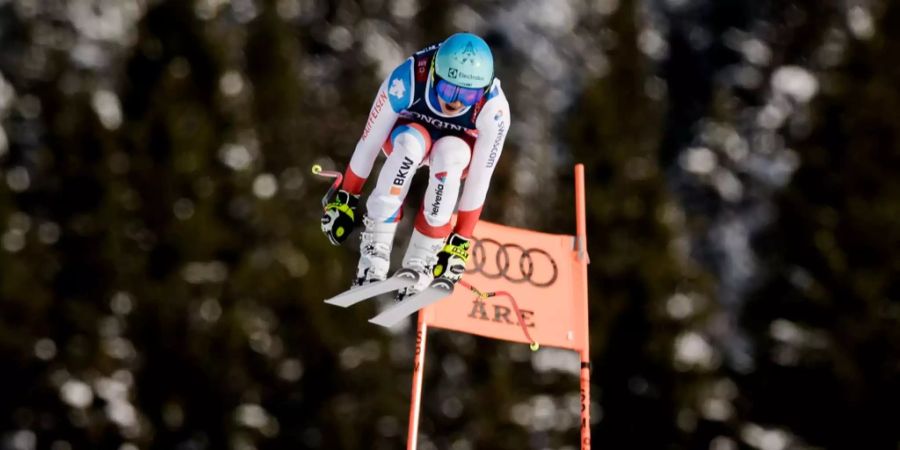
[337,302]
[383,322]
[344,299]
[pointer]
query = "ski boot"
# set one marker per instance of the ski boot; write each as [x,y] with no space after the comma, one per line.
[374,251]
[421,255]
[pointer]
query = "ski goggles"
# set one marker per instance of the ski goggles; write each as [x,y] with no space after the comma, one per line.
[449,92]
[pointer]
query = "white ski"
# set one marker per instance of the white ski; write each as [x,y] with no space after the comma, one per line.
[399,280]
[437,290]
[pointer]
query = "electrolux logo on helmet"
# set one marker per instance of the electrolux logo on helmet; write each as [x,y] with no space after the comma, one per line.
[456,74]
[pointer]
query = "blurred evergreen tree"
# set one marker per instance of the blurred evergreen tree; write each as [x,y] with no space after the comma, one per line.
[163,270]
[827,320]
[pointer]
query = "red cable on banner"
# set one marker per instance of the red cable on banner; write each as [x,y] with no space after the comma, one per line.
[512,300]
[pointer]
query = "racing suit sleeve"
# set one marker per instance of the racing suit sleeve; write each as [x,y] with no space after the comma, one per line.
[394,95]
[493,125]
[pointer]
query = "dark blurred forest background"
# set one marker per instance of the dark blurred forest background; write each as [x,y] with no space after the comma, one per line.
[162,268]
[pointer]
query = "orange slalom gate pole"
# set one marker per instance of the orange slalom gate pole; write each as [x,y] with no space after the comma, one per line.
[585,352]
[418,369]
[585,400]
[580,221]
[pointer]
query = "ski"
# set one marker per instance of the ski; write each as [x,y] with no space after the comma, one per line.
[399,280]
[437,290]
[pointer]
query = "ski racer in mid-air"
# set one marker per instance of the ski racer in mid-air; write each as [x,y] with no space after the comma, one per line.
[444,108]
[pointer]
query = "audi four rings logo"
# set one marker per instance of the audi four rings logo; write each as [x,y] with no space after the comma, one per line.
[513,263]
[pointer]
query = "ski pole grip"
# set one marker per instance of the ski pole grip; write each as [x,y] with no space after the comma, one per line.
[317,170]
[338,178]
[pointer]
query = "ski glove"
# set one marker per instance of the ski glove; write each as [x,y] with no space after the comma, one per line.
[340,217]
[452,259]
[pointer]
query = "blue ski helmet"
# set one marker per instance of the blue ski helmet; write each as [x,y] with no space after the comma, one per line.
[465,60]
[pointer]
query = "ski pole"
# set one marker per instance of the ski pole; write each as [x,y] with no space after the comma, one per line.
[338,177]
[483,295]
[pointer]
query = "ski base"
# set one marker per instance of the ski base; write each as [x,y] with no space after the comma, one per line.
[401,279]
[437,290]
